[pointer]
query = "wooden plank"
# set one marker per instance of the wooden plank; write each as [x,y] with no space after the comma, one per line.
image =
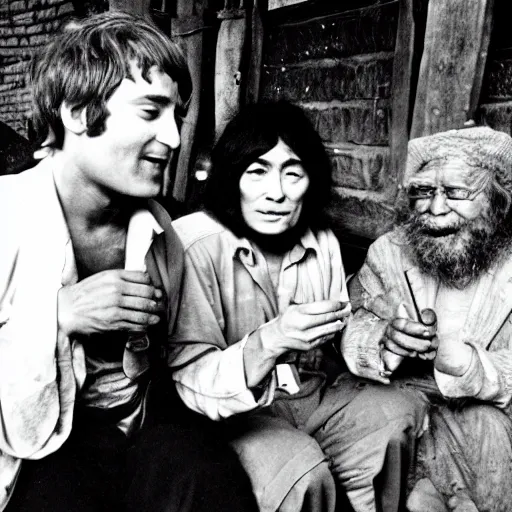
[193,44]
[401,94]
[259,10]
[189,28]
[134,6]
[456,44]
[228,66]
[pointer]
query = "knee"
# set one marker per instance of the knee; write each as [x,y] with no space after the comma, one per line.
[316,490]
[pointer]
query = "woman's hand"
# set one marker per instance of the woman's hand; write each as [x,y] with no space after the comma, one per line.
[301,327]
[304,326]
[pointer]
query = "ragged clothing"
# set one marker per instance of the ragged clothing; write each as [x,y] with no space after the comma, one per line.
[464,412]
[381,286]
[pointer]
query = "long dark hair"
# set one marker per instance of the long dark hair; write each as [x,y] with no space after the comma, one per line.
[254,131]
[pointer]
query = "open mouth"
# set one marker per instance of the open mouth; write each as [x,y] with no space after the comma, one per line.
[440,232]
[157,160]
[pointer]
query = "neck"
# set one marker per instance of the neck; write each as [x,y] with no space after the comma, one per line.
[88,204]
[275,245]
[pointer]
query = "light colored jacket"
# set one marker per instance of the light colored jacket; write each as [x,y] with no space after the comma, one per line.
[381,285]
[227,295]
[42,370]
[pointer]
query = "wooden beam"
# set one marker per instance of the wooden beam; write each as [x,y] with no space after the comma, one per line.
[140,7]
[228,65]
[456,44]
[188,28]
[259,10]
[401,93]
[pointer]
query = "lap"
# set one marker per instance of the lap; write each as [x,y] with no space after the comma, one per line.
[274,453]
[469,447]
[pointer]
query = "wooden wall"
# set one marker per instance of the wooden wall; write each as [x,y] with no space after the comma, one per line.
[338,66]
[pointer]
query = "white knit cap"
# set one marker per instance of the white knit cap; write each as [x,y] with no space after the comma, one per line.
[479,147]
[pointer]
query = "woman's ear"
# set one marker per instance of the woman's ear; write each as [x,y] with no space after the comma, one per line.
[74,119]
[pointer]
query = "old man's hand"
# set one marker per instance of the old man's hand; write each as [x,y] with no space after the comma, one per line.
[112,300]
[405,337]
[453,357]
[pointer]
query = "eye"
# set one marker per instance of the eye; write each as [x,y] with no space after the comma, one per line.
[295,174]
[256,171]
[456,193]
[420,191]
[150,113]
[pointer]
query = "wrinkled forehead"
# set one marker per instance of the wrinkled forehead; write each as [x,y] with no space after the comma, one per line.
[448,171]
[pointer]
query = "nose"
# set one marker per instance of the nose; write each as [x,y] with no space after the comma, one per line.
[167,130]
[438,204]
[274,186]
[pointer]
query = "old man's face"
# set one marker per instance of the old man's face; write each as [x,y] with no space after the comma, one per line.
[452,225]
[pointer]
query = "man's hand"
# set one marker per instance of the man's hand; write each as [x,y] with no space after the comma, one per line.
[112,300]
[407,338]
[304,326]
[453,357]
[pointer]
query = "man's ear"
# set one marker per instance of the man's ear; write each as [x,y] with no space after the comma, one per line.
[74,119]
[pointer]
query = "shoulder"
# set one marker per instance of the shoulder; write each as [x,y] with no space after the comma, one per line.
[391,250]
[200,229]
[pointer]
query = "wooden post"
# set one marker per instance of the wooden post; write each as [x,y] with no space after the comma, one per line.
[134,6]
[456,43]
[259,9]
[401,93]
[228,64]
[189,27]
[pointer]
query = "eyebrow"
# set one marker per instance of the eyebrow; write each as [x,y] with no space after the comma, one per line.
[162,100]
[286,163]
[159,99]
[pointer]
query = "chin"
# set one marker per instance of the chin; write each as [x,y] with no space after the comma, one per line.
[272,230]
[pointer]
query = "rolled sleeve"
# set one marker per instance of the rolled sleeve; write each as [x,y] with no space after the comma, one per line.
[481,380]
[215,384]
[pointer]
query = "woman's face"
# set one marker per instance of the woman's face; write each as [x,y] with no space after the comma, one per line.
[272,189]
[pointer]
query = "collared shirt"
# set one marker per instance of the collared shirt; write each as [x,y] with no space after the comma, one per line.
[227,295]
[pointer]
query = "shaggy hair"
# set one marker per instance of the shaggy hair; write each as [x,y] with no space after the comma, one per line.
[85,63]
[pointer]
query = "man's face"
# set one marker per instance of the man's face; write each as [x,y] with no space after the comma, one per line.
[272,190]
[452,224]
[130,156]
[447,211]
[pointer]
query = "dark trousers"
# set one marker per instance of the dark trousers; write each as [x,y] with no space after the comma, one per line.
[179,461]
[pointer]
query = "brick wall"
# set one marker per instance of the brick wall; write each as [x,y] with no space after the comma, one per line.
[338,67]
[25,25]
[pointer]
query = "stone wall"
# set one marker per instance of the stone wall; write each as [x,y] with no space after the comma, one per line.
[338,67]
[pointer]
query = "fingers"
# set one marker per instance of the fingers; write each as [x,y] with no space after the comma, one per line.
[406,341]
[122,317]
[141,304]
[412,328]
[128,283]
[320,313]
[320,307]
[323,333]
